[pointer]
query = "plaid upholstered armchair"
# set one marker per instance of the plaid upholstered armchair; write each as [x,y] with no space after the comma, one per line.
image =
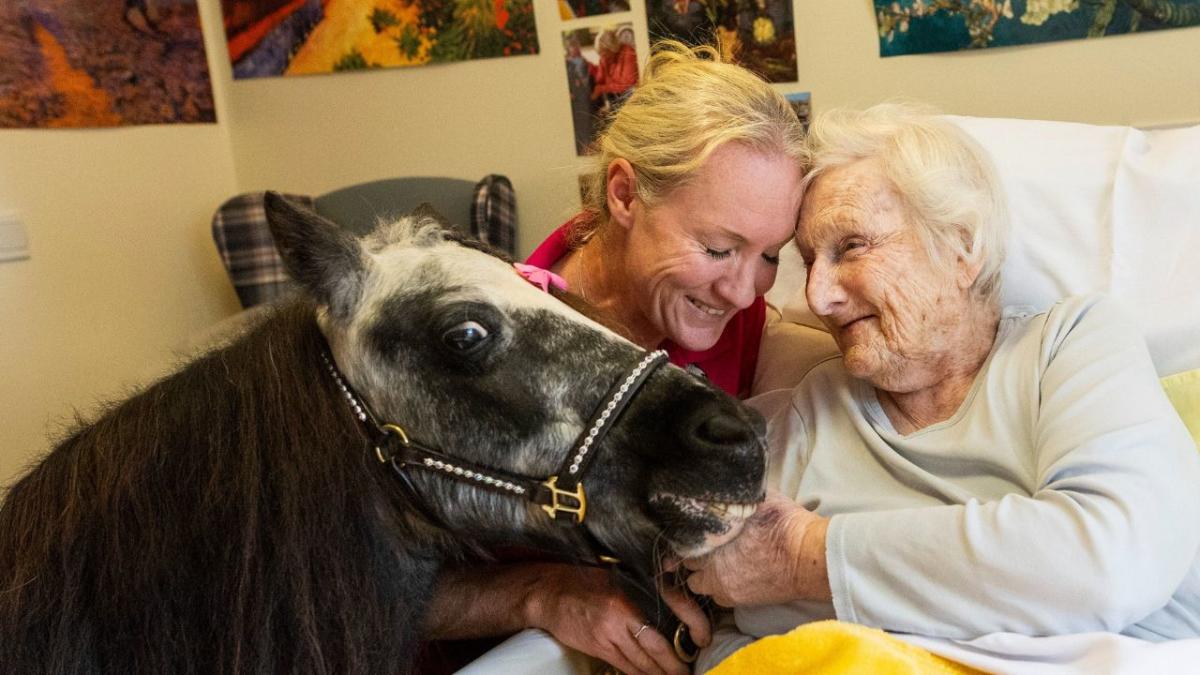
[486,210]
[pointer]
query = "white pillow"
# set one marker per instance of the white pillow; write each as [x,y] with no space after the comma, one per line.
[1093,208]
[1156,232]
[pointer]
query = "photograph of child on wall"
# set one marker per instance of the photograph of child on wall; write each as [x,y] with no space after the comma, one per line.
[577,9]
[757,34]
[601,70]
[302,37]
[102,63]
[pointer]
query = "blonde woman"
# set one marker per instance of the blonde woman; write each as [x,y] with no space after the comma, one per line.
[694,191]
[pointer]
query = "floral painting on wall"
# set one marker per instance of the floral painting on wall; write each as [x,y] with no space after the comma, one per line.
[300,37]
[102,63]
[920,26]
[759,34]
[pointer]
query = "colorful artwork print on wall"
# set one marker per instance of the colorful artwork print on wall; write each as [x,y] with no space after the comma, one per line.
[922,26]
[577,9]
[102,63]
[758,34]
[602,69]
[302,37]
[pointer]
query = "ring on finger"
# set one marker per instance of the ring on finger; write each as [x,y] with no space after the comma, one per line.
[641,629]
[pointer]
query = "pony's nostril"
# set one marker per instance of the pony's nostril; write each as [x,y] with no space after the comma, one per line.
[724,429]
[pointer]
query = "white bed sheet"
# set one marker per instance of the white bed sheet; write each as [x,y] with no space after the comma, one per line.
[1092,653]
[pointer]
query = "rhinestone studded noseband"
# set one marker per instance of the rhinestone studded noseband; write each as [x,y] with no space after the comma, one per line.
[562,495]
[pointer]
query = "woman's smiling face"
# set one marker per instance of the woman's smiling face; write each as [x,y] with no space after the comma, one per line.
[890,308]
[711,247]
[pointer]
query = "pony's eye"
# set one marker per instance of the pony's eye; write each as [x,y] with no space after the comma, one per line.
[465,337]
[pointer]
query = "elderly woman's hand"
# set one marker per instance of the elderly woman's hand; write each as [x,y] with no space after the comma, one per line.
[778,557]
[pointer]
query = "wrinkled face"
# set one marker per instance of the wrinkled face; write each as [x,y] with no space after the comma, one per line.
[710,247]
[871,281]
[454,346]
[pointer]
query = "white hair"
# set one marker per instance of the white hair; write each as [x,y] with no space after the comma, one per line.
[944,178]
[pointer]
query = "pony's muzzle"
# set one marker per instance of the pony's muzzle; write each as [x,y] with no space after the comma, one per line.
[715,427]
[721,428]
[731,440]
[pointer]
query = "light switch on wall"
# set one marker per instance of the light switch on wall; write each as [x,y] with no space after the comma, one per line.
[14,242]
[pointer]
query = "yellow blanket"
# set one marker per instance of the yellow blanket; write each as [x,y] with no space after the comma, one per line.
[836,647]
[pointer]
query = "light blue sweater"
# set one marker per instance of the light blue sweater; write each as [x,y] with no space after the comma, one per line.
[1063,496]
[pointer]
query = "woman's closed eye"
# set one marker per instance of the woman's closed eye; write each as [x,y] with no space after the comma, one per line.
[851,245]
[718,254]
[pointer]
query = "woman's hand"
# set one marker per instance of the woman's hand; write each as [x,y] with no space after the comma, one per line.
[779,556]
[584,609]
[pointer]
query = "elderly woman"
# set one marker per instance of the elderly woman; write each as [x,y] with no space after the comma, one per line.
[963,468]
[694,191]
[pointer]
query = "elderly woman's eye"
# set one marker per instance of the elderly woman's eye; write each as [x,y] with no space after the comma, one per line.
[718,254]
[850,245]
[465,337]
[771,259]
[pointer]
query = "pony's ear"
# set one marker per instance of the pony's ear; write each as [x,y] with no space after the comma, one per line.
[321,256]
[426,212]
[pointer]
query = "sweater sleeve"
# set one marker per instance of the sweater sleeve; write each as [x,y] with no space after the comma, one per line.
[726,640]
[1104,540]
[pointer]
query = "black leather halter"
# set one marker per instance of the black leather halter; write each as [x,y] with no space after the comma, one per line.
[562,495]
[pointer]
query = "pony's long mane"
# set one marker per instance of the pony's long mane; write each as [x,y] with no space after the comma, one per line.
[273,544]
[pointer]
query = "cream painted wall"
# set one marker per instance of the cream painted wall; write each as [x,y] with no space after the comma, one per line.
[123,272]
[1143,79]
[512,116]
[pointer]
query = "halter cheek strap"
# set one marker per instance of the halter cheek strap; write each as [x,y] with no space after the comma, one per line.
[561,496]
[567,486]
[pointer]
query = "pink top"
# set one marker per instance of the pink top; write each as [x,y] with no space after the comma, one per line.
[729,364]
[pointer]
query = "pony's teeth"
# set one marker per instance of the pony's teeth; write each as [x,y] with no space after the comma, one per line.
[730,510]
[741,510]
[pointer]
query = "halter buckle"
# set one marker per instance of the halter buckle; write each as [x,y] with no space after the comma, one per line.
[683,642]
[389,429]
[565,501]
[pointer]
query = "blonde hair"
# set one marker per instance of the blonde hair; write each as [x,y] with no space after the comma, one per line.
[689,103]
[943,176]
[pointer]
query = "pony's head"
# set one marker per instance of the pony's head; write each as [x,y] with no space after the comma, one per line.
[448,342]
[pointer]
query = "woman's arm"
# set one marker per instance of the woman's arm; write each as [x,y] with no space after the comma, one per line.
[579,606]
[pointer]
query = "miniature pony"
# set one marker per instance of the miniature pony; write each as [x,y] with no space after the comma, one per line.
[283,504]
